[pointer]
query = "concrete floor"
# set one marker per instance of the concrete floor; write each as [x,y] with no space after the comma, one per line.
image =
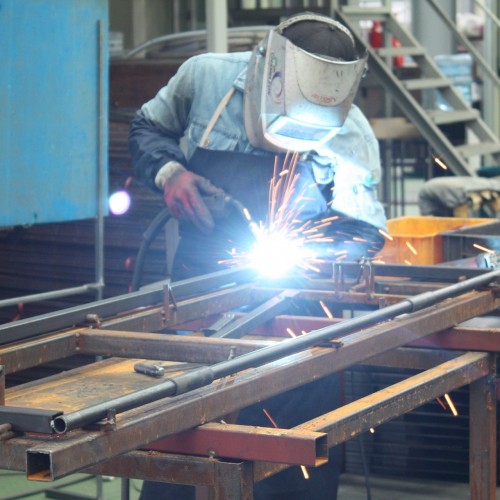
[353,487]
[13,485]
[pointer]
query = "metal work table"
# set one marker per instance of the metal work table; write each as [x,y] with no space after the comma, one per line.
[224,341]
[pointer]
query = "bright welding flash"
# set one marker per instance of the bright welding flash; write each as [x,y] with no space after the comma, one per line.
[274,255]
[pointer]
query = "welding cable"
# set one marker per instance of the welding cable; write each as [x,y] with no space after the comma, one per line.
[157,224]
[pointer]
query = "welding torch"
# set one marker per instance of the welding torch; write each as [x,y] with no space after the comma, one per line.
[220,205]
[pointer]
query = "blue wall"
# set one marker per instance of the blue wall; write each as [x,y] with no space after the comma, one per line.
[53,103]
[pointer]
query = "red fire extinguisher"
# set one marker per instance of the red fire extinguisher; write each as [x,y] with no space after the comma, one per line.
[398,61]
[376,35]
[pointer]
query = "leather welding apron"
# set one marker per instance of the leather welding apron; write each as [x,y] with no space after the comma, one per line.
[247,179]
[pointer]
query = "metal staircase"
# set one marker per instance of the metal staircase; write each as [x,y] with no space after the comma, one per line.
[480,145]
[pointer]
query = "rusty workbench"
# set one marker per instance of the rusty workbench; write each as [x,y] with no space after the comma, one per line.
[235,349]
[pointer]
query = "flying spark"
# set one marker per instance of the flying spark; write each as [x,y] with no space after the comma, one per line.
[325,308]
[386,235]
[440,162]
[411,247]
[484,249]
[451,405]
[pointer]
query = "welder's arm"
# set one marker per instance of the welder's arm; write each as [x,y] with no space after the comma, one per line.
[160,124]
[151,148]
[159,163]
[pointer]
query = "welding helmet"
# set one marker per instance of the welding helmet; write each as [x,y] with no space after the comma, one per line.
[299,86]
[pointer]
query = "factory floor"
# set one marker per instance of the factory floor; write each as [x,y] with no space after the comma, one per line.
[13,485]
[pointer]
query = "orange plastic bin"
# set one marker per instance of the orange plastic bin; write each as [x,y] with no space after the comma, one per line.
[417,239]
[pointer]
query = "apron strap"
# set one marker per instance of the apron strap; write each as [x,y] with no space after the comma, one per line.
[215,117]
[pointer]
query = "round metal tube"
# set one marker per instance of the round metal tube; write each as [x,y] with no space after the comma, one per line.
[206,375]
[76,419]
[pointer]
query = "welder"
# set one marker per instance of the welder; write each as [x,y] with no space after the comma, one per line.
[219,124]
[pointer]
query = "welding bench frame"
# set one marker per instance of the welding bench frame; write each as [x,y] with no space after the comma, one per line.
[133,327]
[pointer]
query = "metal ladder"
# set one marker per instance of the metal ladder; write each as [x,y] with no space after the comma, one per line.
[429,122]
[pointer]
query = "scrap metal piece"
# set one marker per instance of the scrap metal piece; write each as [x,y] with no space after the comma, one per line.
[150,369]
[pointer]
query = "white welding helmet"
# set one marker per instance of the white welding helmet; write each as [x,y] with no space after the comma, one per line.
[296,99]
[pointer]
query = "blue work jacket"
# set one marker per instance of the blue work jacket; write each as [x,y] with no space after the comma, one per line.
[170,126]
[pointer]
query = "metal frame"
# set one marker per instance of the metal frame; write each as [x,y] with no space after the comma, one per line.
[101,176]
[398,306]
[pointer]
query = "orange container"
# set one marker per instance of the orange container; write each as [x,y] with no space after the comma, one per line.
[417,240]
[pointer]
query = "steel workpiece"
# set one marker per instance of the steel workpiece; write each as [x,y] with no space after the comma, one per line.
[206,375]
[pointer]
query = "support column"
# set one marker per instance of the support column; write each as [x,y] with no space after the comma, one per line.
[482,437]
[216,12]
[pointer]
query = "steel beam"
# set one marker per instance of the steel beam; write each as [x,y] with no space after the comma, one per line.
[340,424]
[258,316]
[463,338]
[248,443]
[228,479]
[205,305]
[192,349]
[37,352]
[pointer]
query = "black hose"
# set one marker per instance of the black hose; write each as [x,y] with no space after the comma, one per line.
[157,224]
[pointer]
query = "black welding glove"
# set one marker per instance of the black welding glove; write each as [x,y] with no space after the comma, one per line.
[349,239]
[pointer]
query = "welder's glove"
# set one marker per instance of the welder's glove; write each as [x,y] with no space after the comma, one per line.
[183,193]
[351,239]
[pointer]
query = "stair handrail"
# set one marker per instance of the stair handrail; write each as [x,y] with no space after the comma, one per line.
[488,12]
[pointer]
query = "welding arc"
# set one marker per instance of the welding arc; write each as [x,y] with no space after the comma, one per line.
[204,376]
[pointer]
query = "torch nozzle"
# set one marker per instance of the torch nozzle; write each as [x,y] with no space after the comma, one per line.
[245,213]
[220,203]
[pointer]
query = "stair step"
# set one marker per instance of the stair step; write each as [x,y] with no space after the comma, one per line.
[400,51]
[480,148]
[352,10]
[445,117]
[426,83]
